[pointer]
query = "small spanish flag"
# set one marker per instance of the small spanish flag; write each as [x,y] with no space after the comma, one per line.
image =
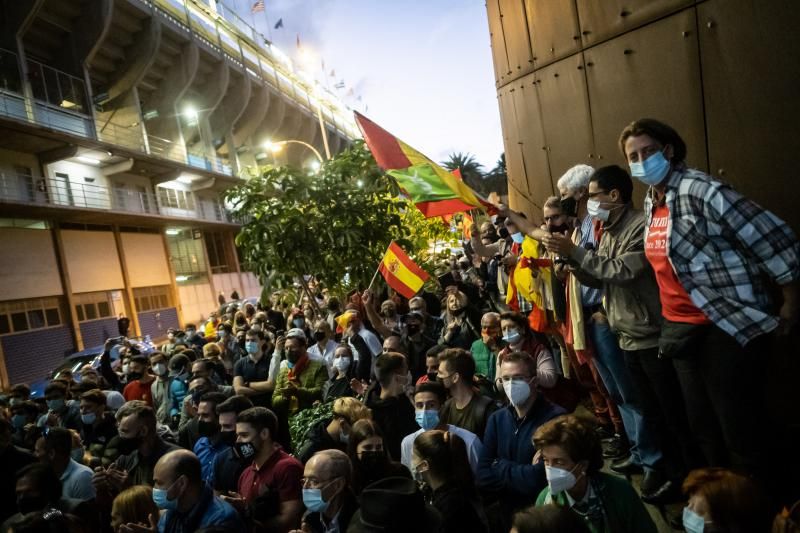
[401,272]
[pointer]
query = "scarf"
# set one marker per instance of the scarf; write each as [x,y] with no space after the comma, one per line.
[298,367]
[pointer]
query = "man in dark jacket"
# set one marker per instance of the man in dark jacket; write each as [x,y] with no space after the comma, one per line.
[141,448]
[505,469]
[332,433]
[12,460]
[327,495]
[391,408]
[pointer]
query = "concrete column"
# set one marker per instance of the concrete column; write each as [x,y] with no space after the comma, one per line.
[173,285]
[67,284]
[127,281]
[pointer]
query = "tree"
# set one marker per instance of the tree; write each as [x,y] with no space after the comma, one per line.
[471,170]
[335,224]
[497,178]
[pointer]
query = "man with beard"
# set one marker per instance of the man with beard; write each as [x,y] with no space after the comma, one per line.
[210,442]
[271,486]
[228,466]
[300,384]
[140,448]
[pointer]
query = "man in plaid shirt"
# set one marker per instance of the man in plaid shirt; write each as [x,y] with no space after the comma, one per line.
[715,255]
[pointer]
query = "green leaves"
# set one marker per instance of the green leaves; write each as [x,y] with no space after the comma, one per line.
[334,223]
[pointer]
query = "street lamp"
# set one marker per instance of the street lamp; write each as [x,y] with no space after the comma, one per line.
[277,146]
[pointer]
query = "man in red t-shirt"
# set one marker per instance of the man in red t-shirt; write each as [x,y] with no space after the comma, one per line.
[139,380]
[273,478]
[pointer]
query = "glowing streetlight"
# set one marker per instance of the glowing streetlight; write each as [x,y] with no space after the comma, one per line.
[277,146]
[314,166]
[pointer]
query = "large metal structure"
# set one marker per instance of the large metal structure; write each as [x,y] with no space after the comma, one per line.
[572,73]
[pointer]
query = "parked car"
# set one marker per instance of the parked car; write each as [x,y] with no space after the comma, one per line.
[78,360]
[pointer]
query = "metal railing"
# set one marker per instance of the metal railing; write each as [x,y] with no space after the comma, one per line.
[60,191]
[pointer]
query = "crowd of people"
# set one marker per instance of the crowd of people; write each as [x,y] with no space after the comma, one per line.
[564,374]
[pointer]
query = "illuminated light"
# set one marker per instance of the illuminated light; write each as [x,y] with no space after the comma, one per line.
[273,147]
[172,231]
[88,160]
[181,278]
[360,183]
[314,166]
[185,179]
[190,112]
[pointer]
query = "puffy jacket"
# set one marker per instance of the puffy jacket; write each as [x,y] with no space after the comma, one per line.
[485,358]
[178,388]
[620,267]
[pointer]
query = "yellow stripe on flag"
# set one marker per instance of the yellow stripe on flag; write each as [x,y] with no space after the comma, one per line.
[459,188]
[401,272]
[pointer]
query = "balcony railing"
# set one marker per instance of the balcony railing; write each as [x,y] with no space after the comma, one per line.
[61,192]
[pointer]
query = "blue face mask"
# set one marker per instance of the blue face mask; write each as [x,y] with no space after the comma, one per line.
[652,170]
[55,405]
[18,421]
[88,418]
[299,322]
[251,347]
[512,336]
[161,499]
[313,500]
[692,522]
[517,237]
[427,419]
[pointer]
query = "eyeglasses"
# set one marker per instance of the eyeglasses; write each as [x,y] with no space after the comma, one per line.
[317,483]
[593,194]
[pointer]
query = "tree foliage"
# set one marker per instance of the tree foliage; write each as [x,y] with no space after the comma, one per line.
[335,224]
[471,170]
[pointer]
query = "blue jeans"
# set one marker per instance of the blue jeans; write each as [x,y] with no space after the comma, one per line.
[610,363]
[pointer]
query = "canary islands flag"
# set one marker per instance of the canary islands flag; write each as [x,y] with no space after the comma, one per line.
[401,272]
[434,190]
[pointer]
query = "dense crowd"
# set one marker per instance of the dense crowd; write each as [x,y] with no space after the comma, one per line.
[563,375]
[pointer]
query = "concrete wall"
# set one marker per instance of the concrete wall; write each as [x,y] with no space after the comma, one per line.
[197,300]
[28,265]
[92,260]
[572,74]
[87,184]
[146,259]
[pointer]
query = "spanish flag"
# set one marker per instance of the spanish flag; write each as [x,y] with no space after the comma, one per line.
[434,190]
[401,272]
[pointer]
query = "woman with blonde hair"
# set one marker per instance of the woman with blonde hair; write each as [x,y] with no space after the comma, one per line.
[133,505]
[334,432]
[458,331]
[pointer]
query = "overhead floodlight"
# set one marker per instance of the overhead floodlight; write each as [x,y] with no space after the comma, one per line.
[88,160]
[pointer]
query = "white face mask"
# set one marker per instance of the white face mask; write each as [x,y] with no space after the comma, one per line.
[597,212]
[341,364]
[559,479]
[517,391]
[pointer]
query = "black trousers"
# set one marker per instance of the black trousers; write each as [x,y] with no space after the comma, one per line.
[661,398]
[723,388]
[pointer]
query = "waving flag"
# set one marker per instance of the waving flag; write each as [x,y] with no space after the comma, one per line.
[434,190]
[258,7]
[401,272]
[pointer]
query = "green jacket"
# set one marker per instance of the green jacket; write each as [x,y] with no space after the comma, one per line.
[309,388]
[485,358]
[624,510]
[621,269]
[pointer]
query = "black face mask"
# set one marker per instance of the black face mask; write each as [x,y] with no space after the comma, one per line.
[127,446]
[206,428]
[319,335]
[459,311]
[227,437]
[569,206]
[245,451]
[133,376]
[292,355]
[431,376]
[561,228]
[374,463]
[30,504]
[412,329]
[503,232]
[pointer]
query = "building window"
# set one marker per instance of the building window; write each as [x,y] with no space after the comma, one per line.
[26,315]
[175,199]
[218,256]
[93,306]
[152,298]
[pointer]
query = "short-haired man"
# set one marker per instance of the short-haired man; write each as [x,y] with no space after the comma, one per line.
[433,324]
[139,381]
[251,374]
[327,493]
[466,407]
[210,443]
[227,465]
[272,472]
[391,409]
[53,448]
[428,400]
[61,412]
[98,427]
[189,503]
[505,468]
[485,350]
[160,388]
[300,384]
[140,448]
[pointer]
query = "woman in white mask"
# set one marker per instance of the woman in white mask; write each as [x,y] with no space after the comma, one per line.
[342,365]
[573,458]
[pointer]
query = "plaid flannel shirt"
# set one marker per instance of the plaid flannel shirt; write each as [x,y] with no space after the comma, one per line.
[723,247]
